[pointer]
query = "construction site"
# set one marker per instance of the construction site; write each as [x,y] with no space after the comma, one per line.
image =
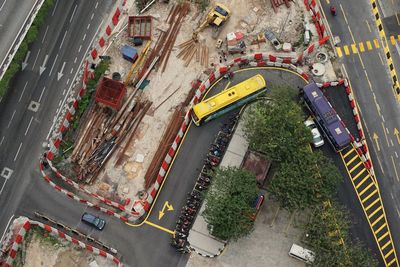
[156,62]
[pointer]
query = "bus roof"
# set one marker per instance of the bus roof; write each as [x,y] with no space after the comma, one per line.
[230,95]
[328,115]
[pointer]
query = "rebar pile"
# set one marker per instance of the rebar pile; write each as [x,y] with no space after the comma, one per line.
[190,48]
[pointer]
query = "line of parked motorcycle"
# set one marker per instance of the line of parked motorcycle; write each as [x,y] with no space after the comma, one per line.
[195,198]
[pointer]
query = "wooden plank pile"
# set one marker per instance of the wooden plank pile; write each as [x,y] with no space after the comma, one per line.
[190,48]
[276,3]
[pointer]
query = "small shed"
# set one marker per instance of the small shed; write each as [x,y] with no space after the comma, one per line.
[140,26]
[110,93]
[257,164]
[129,53]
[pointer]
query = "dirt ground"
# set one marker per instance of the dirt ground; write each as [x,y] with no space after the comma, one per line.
[249,17]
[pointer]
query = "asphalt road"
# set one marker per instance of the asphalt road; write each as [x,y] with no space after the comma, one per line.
[65,37]
[369,76]
[13,15]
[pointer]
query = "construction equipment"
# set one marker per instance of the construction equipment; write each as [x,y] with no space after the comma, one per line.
[215,18]
[137,63]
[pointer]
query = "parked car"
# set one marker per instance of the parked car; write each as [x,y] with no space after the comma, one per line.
[270,36]
[93,220]
[318,140]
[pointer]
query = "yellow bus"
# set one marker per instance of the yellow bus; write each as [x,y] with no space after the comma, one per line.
[228,100]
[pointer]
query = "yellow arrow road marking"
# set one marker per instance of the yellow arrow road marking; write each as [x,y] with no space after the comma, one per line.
[375,137]
[167,206]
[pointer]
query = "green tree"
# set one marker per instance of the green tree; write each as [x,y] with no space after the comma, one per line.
[228,203]
[276,127]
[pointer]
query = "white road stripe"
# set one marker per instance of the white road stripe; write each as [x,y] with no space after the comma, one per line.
[65,34]
[2,139]
[23,90]
[8,224]
[53,65]
[16,155]
[397,156]
[41,94]
[12,116]
[71,70]
[88,26]
[59,103]
[91,17]
[34,63]
[54,9]
[68,81]
[80,47]
[97,3]
[73,13]
[29,125]
[64,91]
[2,5]
[75,60]
[84,37]
[47,28]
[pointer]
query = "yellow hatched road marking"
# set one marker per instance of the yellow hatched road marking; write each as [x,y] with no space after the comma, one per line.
[376,43]
[370,195]
[350,161]
[359,174]
[361,45]
[348,153]
[372,204]
[365,189]
[388,254]
[392,261]
[160,227]
[375,211]
[387,244]
[377,220]
[392,40]
[380,228]
[355,167]
[354,48]
[383,236]
[362,181]
[339,52]
[346,50]
[369,45]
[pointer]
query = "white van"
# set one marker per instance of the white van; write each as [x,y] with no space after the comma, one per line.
[302,254]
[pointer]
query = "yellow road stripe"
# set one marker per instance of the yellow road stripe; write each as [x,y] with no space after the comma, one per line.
[370,195]
[339,51]
[348,153]
[160,227]
[372,204]
[391,262]
[377,220]
[376,43]
[382,237]
[389,253]
[362,181]
[380,228]
[392,40]
[354,48]
[369,45]
[355,167]
[365,189]
[350,161]
[398,37]
[359,174]
[375,211]
[361,45]
[346,50]
[387,244]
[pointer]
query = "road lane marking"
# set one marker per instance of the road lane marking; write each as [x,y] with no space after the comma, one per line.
[88,26]
[34,63]
[75,60]
[54,9]
[12,116]
[354,48]
[398,37]
[369,45]
[65,34]
[369,27]
[71,70]
[84,37]
[73,13]
[346,50]
[29,125]
[384,131]
[160,227]
[361,45]
[380,57]
[1,7]
[397,156]
[23,90]
[64,92]
[80,47]
[395,169]
[43,67]
[392,40]
[91,17]
[344,15]
[68,81]
[54,62]
[19,148]
[97,3]
[339,52]
[41,94]
[8,223]
[376,43]
[2,140]
[47,28]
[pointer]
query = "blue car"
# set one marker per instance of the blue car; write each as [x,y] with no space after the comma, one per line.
[93,220]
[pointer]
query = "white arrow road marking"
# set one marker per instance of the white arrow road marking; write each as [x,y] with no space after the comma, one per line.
[51,70]
[43,67]
[60,73]
[25,63]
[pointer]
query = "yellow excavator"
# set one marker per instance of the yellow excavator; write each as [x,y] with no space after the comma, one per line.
[215,18]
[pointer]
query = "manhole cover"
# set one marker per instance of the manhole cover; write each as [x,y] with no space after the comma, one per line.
[318,69]
[34,106]
[6,173]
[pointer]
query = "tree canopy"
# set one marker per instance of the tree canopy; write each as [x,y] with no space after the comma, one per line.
[228,203]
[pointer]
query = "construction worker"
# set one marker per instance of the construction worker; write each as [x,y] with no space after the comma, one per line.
[333,10]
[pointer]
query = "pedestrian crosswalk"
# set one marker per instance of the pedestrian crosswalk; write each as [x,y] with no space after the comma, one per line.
[361,47]
[368,194]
